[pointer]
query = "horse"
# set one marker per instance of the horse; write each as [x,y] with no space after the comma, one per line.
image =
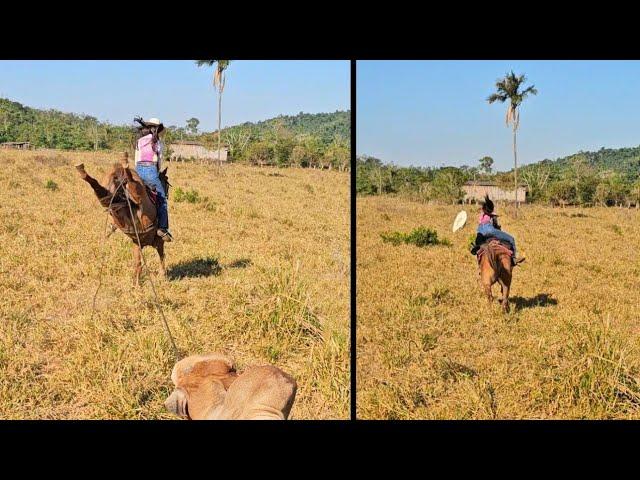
[122,183]
[494,261]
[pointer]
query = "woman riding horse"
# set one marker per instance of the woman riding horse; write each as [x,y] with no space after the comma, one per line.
[488,226]
[148,157]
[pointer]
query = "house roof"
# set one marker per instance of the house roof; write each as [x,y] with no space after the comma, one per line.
[198,144]
[187,142]
[486,183]
[483,183]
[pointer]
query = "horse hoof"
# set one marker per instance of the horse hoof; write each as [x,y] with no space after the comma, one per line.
[80,169]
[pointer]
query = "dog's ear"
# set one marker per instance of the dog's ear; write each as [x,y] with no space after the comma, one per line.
[177,403]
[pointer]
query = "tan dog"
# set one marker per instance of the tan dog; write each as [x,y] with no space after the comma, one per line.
[209,388]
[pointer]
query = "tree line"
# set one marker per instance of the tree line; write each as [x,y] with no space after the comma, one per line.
[608,177]
[304,140]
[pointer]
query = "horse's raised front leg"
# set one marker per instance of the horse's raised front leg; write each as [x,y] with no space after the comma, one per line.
[102,193]
[137,265]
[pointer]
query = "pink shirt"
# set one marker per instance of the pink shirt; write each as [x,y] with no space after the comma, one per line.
[484,218]
[145,146]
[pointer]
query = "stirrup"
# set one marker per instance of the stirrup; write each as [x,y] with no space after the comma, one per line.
[518,261]
[165,235]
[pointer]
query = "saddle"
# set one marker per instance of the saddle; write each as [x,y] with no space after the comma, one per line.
[153,195]
[501,244]
[151,190]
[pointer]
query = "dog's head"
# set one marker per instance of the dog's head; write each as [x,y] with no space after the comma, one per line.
[201,382]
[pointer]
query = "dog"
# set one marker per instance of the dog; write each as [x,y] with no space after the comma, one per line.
[208,387]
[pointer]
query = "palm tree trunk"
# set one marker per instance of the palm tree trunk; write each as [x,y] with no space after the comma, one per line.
[515,171]
[219,125]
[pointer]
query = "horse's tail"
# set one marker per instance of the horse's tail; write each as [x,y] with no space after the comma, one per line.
[493,256]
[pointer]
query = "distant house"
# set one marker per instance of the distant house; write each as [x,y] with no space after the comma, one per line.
[16,145]
[188,149]
[476,190]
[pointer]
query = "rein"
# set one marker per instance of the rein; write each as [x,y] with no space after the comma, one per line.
[115,206]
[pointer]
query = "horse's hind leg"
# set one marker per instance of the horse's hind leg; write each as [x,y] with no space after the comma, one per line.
[159,245]
[505,286]
[486,281]
[102,193]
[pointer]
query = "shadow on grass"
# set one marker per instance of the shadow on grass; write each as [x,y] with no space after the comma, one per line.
[240,263]
[540,300]
[197,267]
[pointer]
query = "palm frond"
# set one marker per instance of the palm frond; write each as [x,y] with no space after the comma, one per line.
[496,97]
[508,88]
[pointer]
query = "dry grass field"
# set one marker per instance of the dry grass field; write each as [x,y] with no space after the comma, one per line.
[259,269]
[430,346]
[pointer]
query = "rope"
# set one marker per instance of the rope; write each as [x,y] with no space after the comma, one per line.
[155,294]
[153,287]
[108,209]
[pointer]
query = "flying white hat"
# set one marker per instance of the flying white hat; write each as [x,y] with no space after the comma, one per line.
[460,220]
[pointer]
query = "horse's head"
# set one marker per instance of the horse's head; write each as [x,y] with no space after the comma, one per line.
[115,182]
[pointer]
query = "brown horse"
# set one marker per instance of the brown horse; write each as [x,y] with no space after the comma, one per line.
[494,260]
[122,182]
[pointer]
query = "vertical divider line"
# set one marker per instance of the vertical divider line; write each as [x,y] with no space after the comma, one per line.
[353,241]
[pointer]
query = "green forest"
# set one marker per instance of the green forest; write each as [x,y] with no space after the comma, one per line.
[606,177]
[306,140]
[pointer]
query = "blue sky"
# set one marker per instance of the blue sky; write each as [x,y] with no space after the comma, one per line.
[433,113]
[175,91]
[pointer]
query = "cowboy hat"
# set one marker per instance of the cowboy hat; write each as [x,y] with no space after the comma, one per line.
[460,220]
[155,122]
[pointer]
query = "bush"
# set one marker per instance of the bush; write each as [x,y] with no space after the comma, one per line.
[190,196]
[420,237]
[51,185]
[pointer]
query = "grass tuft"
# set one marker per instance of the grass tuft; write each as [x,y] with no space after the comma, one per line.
[420,237]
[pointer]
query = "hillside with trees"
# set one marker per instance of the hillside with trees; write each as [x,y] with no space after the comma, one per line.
[605,177]
[306,140]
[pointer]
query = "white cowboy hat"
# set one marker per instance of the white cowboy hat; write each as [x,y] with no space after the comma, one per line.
[460,220]
[154,121]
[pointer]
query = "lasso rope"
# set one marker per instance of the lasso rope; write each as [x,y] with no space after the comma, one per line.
[155,294]
[108,210]
[153,287]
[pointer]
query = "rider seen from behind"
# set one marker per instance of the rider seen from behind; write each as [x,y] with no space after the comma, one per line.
[488,227]
[148,157]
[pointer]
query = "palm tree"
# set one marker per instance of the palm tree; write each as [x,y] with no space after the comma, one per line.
[218,84]
[508,89]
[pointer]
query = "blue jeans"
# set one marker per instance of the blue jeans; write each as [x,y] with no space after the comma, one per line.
[149,175]
[489,230]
